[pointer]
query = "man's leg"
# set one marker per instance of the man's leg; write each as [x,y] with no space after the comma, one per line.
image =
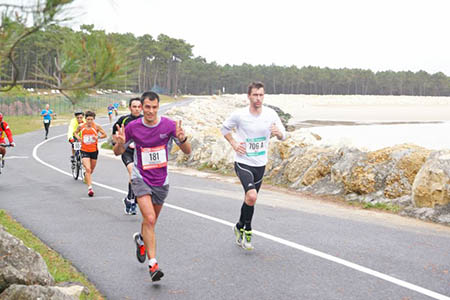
[3,153]
[46,129]
[251,179]
[130,190]
[131,199]
[248,207]
[150,213]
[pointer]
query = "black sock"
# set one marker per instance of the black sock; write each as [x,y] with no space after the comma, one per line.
[130,195]
[246,216]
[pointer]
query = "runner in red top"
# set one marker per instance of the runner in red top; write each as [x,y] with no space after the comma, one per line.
[89,133]
[5,131]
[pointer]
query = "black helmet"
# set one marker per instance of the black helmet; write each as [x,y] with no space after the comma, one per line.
[78,112]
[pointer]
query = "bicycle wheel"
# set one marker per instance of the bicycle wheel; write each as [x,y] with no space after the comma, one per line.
[75,169]
[80,168]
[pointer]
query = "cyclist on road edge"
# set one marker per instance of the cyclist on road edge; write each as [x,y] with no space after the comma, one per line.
[5,131]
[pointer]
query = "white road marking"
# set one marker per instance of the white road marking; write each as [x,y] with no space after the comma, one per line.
[273,238]
[96,197]
[13,157]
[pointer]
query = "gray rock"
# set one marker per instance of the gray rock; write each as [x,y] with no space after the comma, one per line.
[352,197]
[19,264]
[73,289]
[402,201]
[22,292]
[445,219]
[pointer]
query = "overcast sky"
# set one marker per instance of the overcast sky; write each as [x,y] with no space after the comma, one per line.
[378,34]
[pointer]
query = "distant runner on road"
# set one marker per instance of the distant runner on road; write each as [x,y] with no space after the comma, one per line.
[47,114]
[152,136]
[110,110]
[135,107]
[254,125]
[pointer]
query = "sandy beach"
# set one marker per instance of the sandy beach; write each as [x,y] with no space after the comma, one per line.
[370,122]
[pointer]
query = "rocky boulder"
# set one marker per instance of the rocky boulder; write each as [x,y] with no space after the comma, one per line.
[20,292]
[431,186]
[19,264]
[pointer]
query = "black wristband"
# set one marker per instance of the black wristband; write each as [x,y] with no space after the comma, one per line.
[183,141]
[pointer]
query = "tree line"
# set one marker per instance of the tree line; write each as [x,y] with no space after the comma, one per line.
[56,55]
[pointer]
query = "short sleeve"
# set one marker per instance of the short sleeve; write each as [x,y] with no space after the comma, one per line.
[230,123]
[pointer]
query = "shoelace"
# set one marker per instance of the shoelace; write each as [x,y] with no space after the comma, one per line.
[142,250]
[154,268]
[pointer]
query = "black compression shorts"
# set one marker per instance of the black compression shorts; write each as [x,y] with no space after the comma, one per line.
[250,177]
[127,158]
[91,155]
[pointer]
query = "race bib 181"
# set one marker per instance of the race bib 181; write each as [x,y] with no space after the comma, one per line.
[256,146]
[154,157]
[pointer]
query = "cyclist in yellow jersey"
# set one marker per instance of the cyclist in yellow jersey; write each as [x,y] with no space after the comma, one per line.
[74,123]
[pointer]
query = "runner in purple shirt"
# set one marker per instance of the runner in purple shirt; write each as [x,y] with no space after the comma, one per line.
[152,136]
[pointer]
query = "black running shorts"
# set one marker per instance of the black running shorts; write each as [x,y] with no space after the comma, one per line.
[250,177]
[91,155]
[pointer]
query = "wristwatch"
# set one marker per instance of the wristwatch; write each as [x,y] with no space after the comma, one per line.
[183,141]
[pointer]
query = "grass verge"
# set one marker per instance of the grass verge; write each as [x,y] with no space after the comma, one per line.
[23,124]
[382,206]
[106,145]
[60,268]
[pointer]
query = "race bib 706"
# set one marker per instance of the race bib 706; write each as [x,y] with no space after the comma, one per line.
[256,146]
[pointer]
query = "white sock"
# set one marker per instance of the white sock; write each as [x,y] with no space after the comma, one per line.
[152,262]
[89,187]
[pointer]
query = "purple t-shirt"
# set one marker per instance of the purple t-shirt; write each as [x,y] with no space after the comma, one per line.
[152,149]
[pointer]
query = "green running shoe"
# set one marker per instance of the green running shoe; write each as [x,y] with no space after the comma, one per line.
[247,240]
[239,234]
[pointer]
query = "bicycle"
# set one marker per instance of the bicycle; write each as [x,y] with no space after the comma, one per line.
[77,165]
[2,160]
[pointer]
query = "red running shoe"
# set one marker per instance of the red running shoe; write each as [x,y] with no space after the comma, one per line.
[156,273]
[141,254]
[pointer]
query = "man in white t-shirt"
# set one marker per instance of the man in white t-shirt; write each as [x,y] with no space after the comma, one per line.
[254,125]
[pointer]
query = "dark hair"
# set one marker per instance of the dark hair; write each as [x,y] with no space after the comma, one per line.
[149,95]
[254,85]
[133,99]
[89,114]
[78,112]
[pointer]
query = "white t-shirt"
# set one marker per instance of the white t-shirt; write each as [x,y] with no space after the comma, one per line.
[254,131]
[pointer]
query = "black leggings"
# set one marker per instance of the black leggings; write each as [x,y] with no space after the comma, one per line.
[46,126]
[250,177]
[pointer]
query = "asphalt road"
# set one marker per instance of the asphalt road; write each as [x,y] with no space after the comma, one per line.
[304,249]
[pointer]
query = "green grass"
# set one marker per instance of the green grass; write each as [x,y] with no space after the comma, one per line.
[23,124]
[106,145]
[382,206]
[60,268]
